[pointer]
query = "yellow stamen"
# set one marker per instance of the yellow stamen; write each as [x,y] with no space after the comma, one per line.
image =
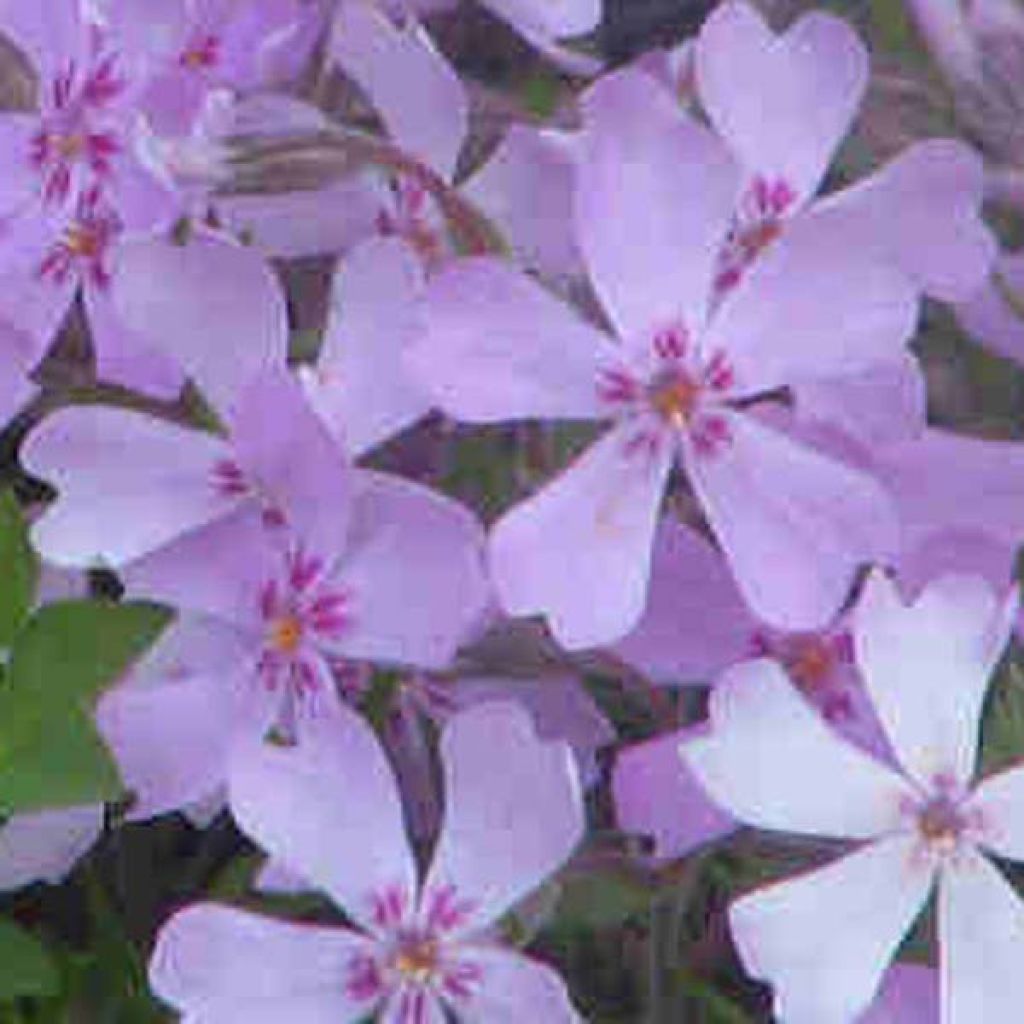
[286,634]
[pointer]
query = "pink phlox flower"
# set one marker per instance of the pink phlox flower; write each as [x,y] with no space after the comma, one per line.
[176,480]
[922,824]
[273,617]
[191,47]
[419,947]
[783,104]
[679,384]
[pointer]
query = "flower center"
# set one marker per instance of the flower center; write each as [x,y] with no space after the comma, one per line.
[202,53]
[673,395]
[941,823]
[811,661]
[68,147]
[417,958]
[286,634]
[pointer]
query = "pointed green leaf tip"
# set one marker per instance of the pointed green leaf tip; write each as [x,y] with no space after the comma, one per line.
[50,753]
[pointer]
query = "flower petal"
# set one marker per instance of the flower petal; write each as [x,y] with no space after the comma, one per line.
[909,995]
[930,496]
[579,550]
[415,571]
[526,189]
[824,973]
[210,959]
[361,387]
[217,570]
[171,740]
[211,304]
[921,213]
[418,94]
[981,937]
[783,103]
[503,832]
[794,523]
[499,347]
[696,622]
[655,193]
[810,307]
[45,845]
[513,988]
[771,761]
[329,811]
[657,794]
[151,478]
[297,467]
[990,316]
[999,799]
[927,667]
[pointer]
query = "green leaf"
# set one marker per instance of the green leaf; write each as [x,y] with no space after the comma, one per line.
[58,761]
[19,569]
[25,966]
[71,650]
[50,753]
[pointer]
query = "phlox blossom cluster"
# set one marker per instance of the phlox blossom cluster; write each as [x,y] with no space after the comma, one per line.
[265,298]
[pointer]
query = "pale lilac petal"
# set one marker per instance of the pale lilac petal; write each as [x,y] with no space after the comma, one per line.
[47,844]
[909,995]
[811,307]
[34,306]
[989,317]
[656,794]
[217,570]
[499,347]
[558,19]
[787,933]
[415,573]
[124,357]
[513,988]
[211,304]
[16,359]
[579,551]
[328,810]
[981,936]
[921,213]
[361,386]
[113,466]
[695,622]
[930,494]
[20,180]
[275,877]
[655,192]
[48,34]
[794,523]
[999,800]
[783,103]
[56,584]
[878,405]
[171,740]
[298,468]
[309,223]
[418,94]
[560,707]
[958,551]
[526,189]
[503,832]
[927,667]
[771,760]
[212,959]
